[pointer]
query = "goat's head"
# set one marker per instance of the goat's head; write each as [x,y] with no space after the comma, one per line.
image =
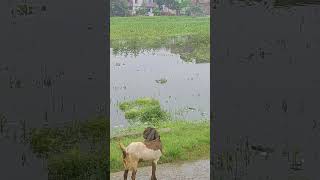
[150,134]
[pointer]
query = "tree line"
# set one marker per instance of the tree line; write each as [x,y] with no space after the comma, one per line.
[180,7]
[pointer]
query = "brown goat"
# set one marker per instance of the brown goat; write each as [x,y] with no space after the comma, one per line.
[149,150]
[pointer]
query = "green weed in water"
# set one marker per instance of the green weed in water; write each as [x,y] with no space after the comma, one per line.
[145,110]
[161,81]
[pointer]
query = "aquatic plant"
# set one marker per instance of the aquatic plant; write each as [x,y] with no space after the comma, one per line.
[161,81]
[145,110]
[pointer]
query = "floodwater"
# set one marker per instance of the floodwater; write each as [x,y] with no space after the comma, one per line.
[185,93]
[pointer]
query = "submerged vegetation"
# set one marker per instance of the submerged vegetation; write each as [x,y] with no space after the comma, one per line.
[161,81]
[187,36]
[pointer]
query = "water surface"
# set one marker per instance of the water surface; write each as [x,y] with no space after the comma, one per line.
[185,93]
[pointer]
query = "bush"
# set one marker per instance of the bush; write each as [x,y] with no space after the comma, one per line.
[195,11]
[119,8]
[156,11]
[142,11]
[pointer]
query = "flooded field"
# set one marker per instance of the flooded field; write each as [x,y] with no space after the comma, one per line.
[165,58]
[160,76]
[182,87]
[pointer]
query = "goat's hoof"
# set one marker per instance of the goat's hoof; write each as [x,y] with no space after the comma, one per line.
[153,178]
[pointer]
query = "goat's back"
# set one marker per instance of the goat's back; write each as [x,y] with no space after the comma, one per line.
[140,151]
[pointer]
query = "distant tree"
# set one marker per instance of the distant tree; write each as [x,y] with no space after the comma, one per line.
[169,3]
[141,11]
[160,2]
[180,4]
[156,11]
[195,10]
[119,8]
[174,4]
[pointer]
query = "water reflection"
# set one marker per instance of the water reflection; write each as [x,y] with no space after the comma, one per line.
[190,48]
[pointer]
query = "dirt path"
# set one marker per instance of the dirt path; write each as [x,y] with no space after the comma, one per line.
[199,170]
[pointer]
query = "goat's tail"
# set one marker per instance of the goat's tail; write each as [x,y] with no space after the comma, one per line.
[122,147]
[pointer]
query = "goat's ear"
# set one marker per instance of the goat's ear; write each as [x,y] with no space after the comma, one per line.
[156,135]
[146,132]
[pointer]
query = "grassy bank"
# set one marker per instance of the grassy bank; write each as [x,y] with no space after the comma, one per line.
[186,141]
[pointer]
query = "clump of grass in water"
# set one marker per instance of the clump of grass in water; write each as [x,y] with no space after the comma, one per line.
[144,110]
[161,81]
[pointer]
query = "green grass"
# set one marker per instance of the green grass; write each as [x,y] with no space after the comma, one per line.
[187,36]
[157,27]
[186,141]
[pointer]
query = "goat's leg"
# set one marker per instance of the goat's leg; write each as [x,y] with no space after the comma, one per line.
[125,174]
[154,167]
[133,175]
